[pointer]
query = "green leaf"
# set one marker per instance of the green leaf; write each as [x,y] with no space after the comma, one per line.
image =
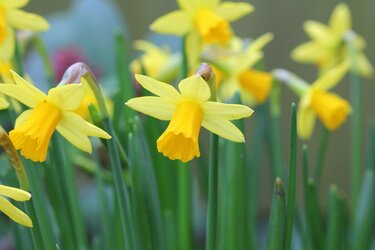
[277,223]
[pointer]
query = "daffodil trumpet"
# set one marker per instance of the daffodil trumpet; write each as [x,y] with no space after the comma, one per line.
[316,101]
[48,112]
[188,110]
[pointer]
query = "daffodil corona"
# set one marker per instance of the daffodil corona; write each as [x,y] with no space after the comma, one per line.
[203,22]
[12,17]
[188,110]
[55,111]
[9,209]
[329,44]
[316,101]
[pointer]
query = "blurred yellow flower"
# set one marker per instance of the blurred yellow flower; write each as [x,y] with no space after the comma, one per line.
[9,209]
[35,126]
[187,109]
[11,17]
[234,66]
[331,109]
[202,22]
[156,62]
[329,43]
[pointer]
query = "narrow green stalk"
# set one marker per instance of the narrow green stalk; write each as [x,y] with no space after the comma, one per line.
[43,53]
[321,155]
[170,232]
[38,210]
[307,239]
[120,188]
[275,136]
[370,162]
[184,207]
[18,59]
[336,220]
[211,224]
[277,223]
[356,125]
[291,206]
[364,219]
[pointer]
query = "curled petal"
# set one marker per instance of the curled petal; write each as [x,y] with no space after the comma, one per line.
[232,11]
[158,88]
[156,107]
[223,128]
[14,193]
[176,22]
[226,111]
[26,21]
[196,88]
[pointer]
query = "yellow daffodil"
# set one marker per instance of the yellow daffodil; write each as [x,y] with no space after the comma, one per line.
[35,126]
[234,65]
[11,17]
[202,22]
[187,109]
[9,209]
[316,101]
[329,43]
[157,62]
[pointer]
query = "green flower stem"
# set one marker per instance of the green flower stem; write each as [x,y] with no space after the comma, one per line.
[18,59]
[277,223]
[120,187]
[43,53]
[291,206]
[321,155]
[356,122]
[364,219]
[211,224]
[42,232]
[184,207]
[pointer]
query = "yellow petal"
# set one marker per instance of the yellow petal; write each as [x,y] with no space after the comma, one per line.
[26,21]
[223,128]
[14,193]
[364,65]
[23,91]
[14,213]
[67,97]
[232,11]
[193,47]
[14,3]
[4,104]
[158,88]
[84,127]
[332,77]
[309,52]
[145,46]
[156,107]
[195,87]
[22,117]
[7,46]
[176,22]
[340,21]
[317,30]
[305,122]
[226,111]
[259,43]
[79,140]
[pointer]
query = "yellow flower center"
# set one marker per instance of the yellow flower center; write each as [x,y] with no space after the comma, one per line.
[33,136]
[5,71]
[211,27]
[258,83]
[331,109]
[180,139]
[2,25]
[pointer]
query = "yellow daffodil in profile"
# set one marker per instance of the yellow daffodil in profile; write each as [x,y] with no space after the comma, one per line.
[9,209]
[11,17]
[234,65]
[157,62]
[329,43]
[202,22]
[188,110]
[47,113]
[316,101]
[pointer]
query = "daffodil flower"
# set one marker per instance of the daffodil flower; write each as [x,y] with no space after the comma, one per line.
[47,113]
[12,17]
[202,22]
[188,110]
[235,63]
[9,209]
[316,101]
[329,45]
[157,62]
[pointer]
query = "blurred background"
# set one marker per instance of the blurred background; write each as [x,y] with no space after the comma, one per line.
[83,30]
